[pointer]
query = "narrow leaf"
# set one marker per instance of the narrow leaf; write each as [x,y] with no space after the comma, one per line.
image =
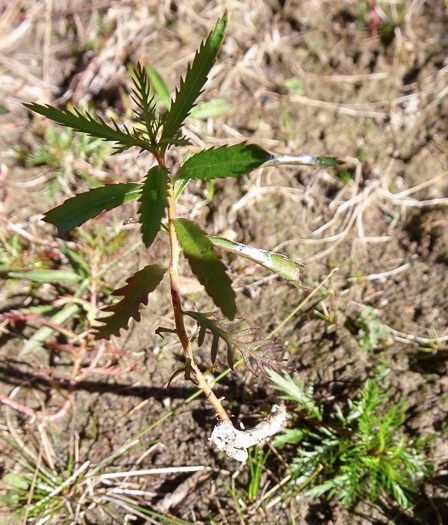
[191,87]
[153,202]
[276,262]
[304,160]
[206,264]
[210,108]
[47,276]
[39,337]
[79,209]
[159,86]
[232,161]
[87,124]
[135,293]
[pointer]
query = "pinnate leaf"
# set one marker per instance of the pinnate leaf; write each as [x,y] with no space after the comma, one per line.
[205,262]
[232,161]
[79,209]
[276,262]
[94,127]
[135,293]
[191,87]
[153,202]
[258,355]
[146,107]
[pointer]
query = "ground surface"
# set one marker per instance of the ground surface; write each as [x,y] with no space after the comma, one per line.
[297,78]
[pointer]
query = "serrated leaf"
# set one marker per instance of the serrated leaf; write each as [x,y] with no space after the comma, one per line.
[205,262]
[304,160]
[191,87]
[135,293]
[275,262]
[153,202]
[225,161]
[159,86]
[47,276]
[87,124]
[79,209]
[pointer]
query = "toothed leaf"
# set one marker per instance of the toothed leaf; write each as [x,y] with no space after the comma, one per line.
[226,161]
[79,209]
[135,293]
[206,264]
[87,124]
[153,202]
[276,262]
[191,87]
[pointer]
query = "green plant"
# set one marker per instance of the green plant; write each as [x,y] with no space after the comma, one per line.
[371,329]
[353,454]
[257,460]
[157,195]
[68,155]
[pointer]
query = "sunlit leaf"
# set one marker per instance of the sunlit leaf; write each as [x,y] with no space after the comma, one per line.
[47,276]
[94,127]
[79,209]
[226,161]
[153,202]
[304,160]
[191,87]
[206,264]
[135,293]
[276,262]
[159,86]
[210,108]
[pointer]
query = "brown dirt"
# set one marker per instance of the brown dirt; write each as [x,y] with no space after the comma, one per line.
[382,100]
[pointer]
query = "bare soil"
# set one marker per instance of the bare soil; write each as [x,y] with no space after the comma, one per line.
[379,101]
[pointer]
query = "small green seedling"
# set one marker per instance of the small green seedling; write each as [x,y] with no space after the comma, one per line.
[68,155]
[371,329]
[157,195]
[358,453]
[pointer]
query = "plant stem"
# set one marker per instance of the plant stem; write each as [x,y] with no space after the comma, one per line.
[178,312]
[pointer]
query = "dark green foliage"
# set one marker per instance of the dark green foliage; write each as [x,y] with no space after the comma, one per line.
[79,209]
[362,454]
[96,128]
[226,161]
[153,203]
[155,133]
[135,293]
[206,264]
[191,87]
